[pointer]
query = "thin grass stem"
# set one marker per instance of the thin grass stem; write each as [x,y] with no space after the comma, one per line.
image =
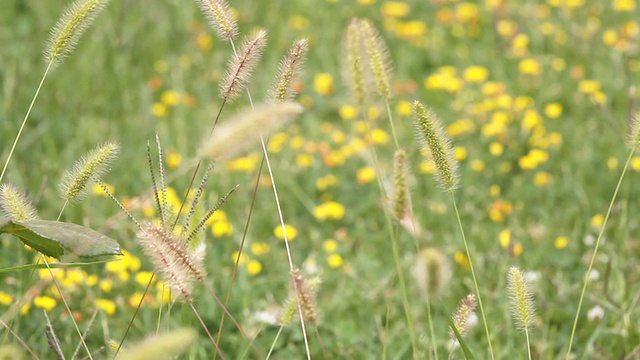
[273,344]
[66,305]
[473,274]
[595,252]
[24,121]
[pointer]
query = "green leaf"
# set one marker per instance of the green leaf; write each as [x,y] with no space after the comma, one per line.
[467,352]
[56,238]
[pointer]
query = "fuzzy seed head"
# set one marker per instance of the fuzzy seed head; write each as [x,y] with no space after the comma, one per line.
[634,131]
[522,305]
[88,171]
[241,132]
[241,66]
[302,291]
[172,257]
[67,31]
[431,135]
[400,198]
[432,272]
[378,58]
[14,204]
[160,346]
[220,17]
[289,71]
[354,63]
[461,315]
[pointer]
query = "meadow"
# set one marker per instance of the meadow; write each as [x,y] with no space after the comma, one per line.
[538,99]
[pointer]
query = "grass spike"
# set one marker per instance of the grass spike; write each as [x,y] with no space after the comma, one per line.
[68,30]
[241,66]
[289,71]
[88,171]
[220,17]
[14,204]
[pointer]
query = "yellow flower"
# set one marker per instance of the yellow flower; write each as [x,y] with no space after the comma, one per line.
[329,210]
[460,152]
[106,305]
[610,37]
[504,237]
[5,298]
[395,9]
[496,148]
[298,22]
[542,178]
[254,267]
[494,190]
[460,127]
[96,189]
[466,12]
[173,159]
[366,174]
[477,165]
[291,232]
[240,258]
[635,163]
[624,5]
[597,220]
[304,160]
[106,285]
[159,109]
[612,163]
[589,86]
[530,66]
[553,110]
[143,277]
[348,112]
[379,136]
[461,259]
[244,163]
[517,249]
[334,261]
[44,302]
[561,242]
[170,97]
[531,119]
[204,40]
[506,28]
[221,228]
[323,84]
[475,74]
[330,245]
[260,248]
[324,182]
[404,108]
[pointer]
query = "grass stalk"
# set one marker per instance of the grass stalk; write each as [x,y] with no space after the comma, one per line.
[24,121]
[473,275]
[595,252]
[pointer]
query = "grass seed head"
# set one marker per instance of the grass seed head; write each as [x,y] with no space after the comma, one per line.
[87,171]
[241,132]
[461,315]
[634,131]
[400,197]
[220,17]
[354,62]
[432,272]
[172,257]
[522,305]
[284,88]
[68,30]
[14,204]
[378,59]
[241,66]
[160,346]
[431,135]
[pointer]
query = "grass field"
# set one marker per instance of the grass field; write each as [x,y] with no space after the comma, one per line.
[537,98]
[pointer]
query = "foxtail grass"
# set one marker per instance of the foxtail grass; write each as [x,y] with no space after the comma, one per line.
[633,141]
[437,145]
[15,205]
[64,37]
[220,17]
[522,305]
[461,319]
